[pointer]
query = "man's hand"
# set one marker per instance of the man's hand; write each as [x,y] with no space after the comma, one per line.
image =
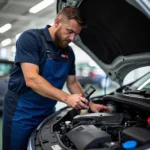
[76,101]
[98,107]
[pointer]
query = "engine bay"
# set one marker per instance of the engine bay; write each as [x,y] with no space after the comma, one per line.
[103,130]
[70,129]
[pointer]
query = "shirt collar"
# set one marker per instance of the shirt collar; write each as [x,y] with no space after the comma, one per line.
[47,34]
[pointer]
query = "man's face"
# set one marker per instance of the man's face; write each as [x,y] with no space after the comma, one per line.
[66,32]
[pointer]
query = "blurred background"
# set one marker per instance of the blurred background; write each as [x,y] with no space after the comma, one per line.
[17,16]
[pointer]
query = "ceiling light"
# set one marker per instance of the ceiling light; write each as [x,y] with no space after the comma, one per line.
[6,42]
[41,6]
[5,28]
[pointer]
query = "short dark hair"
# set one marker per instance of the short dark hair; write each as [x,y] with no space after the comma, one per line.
[72,12]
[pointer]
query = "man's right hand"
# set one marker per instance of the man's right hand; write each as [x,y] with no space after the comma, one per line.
[76,101]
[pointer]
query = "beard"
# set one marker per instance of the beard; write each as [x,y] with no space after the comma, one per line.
[59,41]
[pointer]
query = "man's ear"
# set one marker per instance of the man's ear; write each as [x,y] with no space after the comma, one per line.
[57,22]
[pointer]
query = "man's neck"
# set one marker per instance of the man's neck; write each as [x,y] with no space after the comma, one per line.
[51,32]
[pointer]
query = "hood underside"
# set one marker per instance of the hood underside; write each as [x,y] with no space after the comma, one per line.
[117,36]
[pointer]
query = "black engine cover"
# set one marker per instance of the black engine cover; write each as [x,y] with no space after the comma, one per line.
[139,134]
[88,136]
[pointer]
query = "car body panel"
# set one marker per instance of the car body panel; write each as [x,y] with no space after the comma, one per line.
[121,35]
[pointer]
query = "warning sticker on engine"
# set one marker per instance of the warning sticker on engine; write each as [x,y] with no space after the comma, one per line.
[56,147]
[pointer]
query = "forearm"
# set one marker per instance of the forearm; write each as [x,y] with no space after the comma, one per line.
[44,88]
[75,88]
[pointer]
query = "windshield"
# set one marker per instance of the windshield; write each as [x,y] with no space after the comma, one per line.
[142,83]
[5,68]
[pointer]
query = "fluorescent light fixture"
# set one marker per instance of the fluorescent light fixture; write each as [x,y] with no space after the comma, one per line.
[5,27]
[6,42]
[17,36]
[41,5]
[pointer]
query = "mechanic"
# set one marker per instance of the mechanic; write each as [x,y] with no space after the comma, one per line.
[43,63]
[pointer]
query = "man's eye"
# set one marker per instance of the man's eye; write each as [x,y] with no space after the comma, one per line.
[70,31]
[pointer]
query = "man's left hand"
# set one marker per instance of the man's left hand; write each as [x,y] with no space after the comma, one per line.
[98,107]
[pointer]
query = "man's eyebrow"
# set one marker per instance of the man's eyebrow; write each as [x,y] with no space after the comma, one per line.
[73,31]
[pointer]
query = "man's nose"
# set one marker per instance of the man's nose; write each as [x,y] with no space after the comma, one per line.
[71,37]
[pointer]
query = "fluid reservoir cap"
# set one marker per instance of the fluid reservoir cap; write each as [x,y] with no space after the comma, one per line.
[129,145]
[67,122]
[148,120]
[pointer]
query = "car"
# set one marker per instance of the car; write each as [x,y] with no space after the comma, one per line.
[6,67]
[117,38]
[129,121]
[91,74]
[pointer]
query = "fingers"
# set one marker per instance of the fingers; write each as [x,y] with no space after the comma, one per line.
[77,107]
[76,101]
[84,100]
[99,108]
[83,105]
[105,108]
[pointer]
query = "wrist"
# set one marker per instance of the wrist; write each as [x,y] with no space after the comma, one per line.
[90,103]
[65,98]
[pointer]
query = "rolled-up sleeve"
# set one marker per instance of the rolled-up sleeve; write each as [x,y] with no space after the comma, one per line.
[27,48]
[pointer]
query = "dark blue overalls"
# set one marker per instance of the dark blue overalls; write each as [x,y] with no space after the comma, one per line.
[24,111]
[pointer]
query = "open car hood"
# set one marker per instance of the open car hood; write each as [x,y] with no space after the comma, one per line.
[117,36]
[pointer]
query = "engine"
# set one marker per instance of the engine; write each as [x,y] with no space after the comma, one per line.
[102,130]
[70,129]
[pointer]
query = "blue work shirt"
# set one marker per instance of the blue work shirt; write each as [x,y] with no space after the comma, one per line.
[31,49]
[24,109]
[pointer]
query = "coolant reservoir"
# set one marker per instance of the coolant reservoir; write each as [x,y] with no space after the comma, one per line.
[129,145]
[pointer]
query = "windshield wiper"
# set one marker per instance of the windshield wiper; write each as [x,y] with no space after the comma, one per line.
[145,92]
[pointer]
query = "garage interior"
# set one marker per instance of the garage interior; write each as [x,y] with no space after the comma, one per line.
[17,16]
